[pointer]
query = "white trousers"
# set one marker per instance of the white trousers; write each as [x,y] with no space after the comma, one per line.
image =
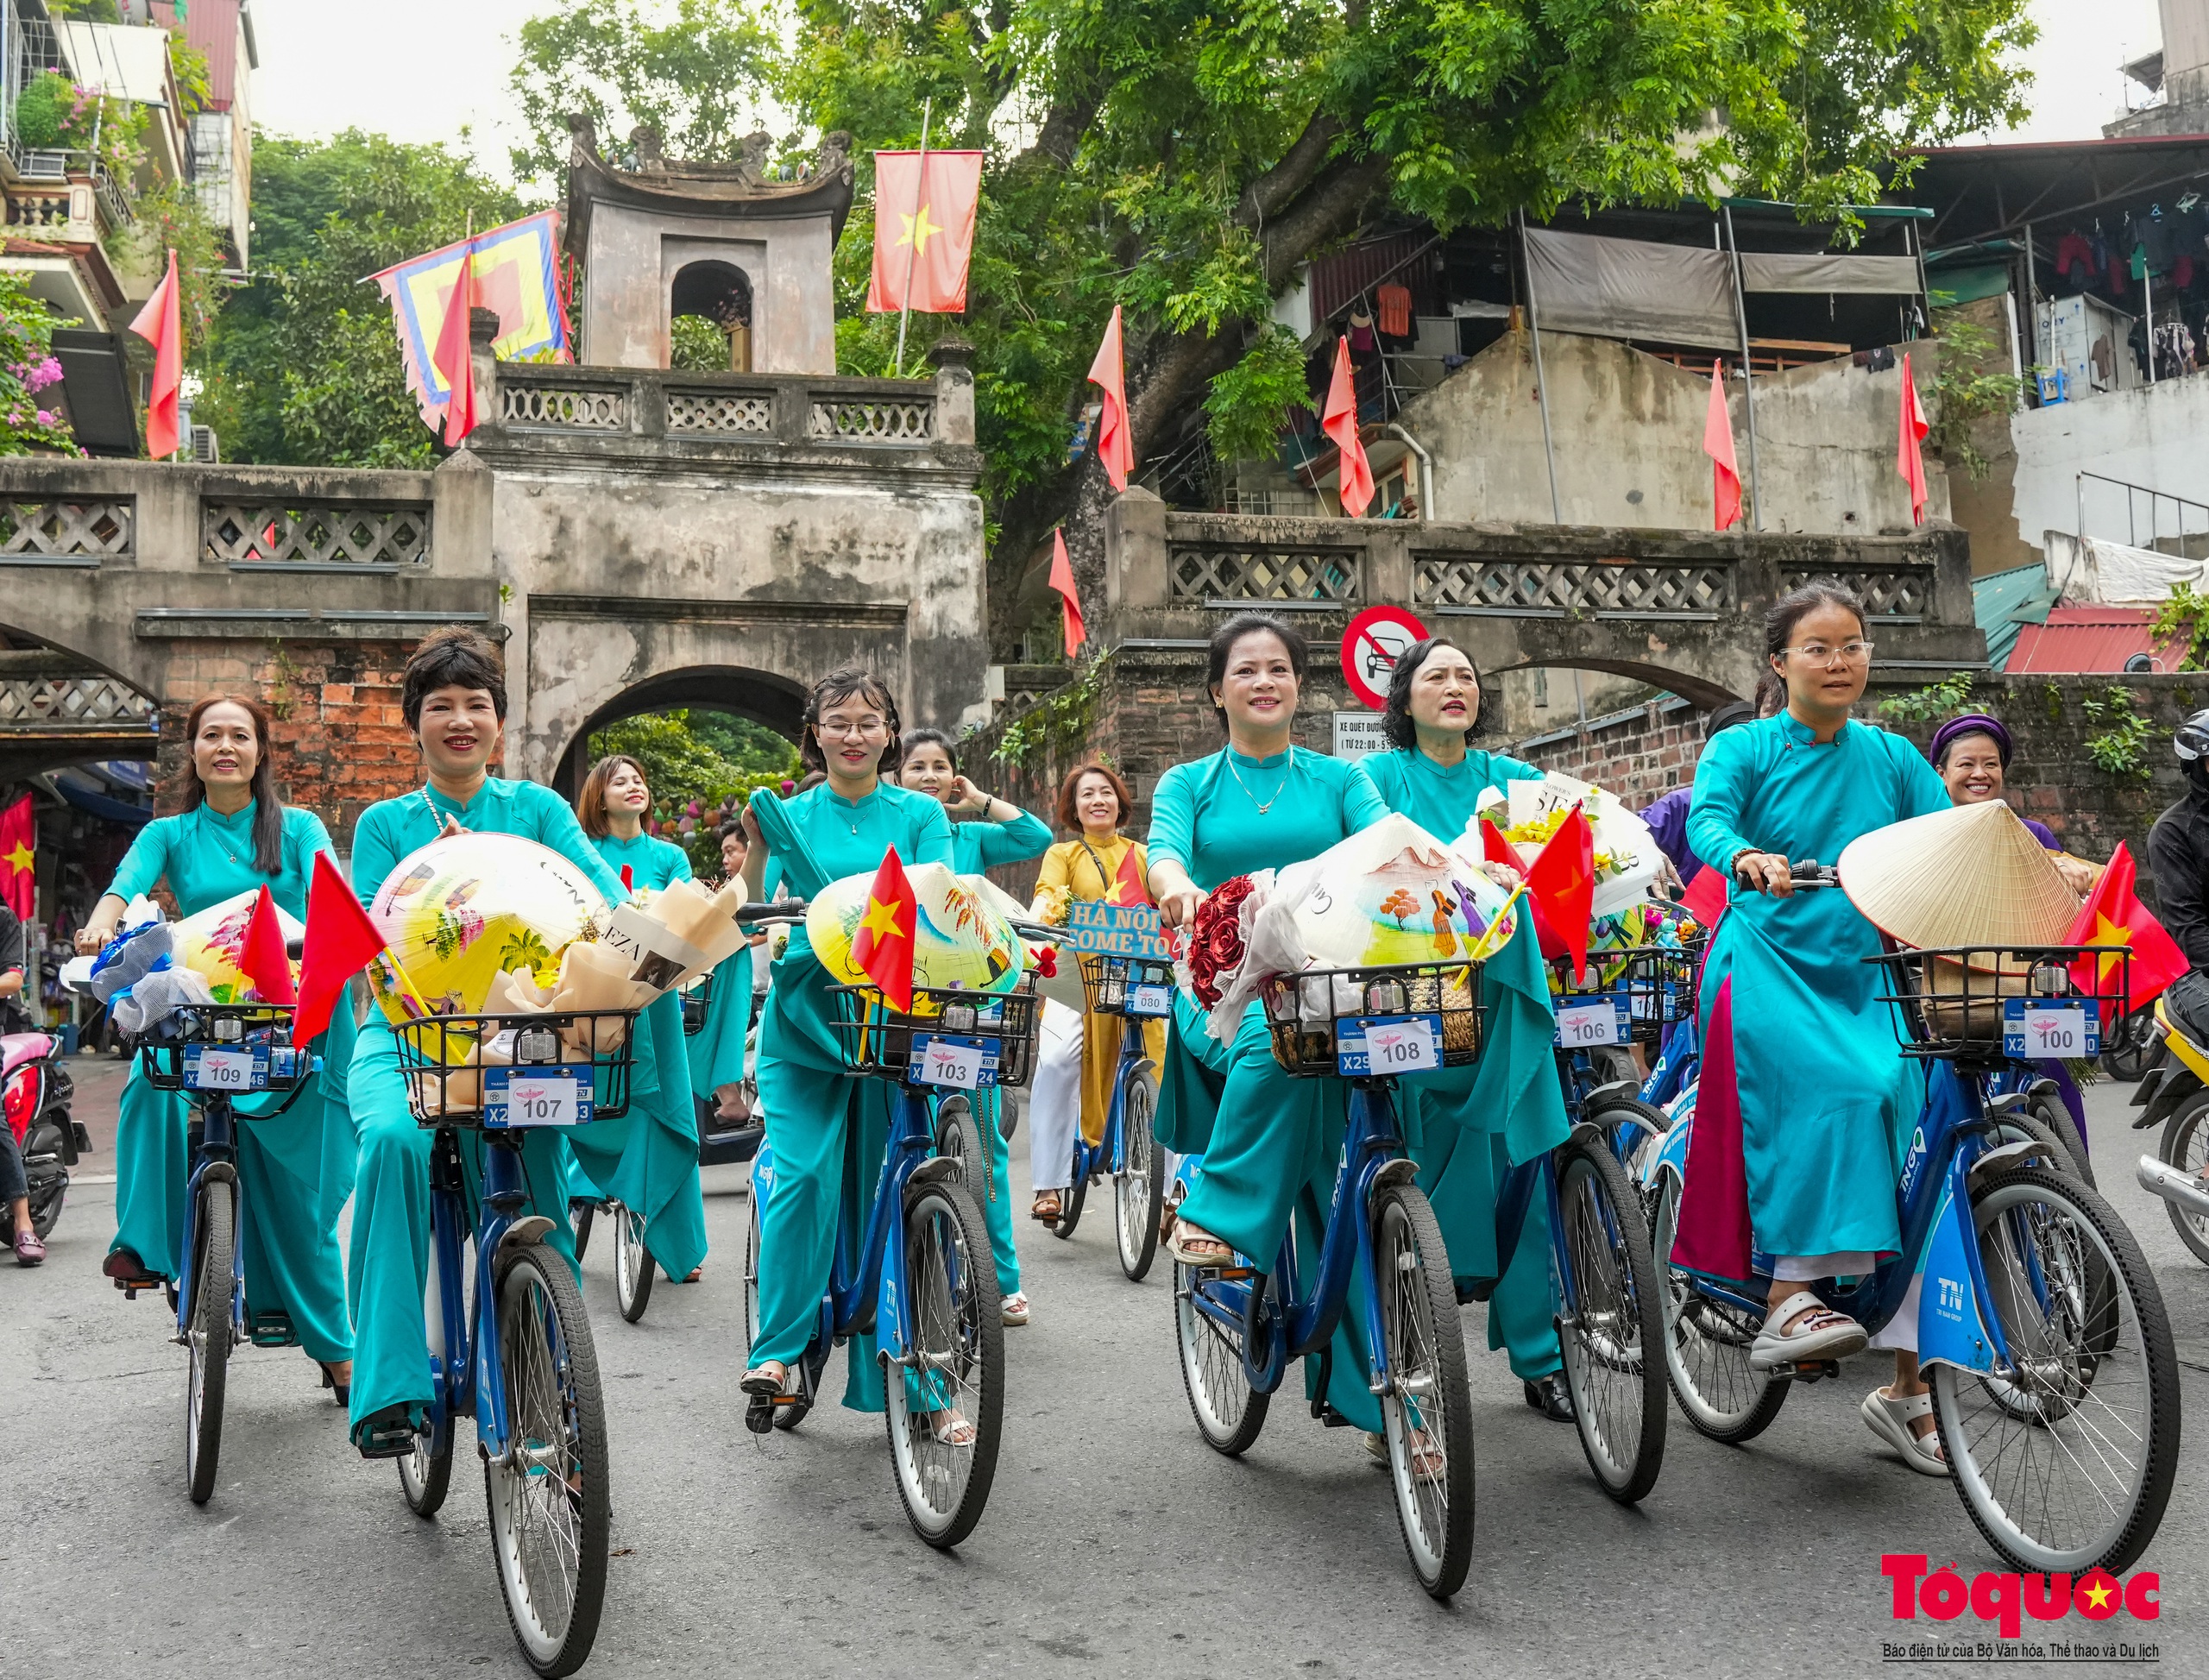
[1054,1096]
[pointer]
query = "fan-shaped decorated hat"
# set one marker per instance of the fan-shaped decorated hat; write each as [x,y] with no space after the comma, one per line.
[467,908]
[212,941]
[1972,875]
[963,939]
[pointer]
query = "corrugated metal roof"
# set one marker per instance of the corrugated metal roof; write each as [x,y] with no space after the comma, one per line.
[2092,638]
[2002,601]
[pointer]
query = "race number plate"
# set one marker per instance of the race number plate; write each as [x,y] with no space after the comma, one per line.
[551,1095]
[209,1069]
[1150,1000]
[1587,1023]
[964,1064]
[1375,1047]
[1656,1003]
[2036,1028]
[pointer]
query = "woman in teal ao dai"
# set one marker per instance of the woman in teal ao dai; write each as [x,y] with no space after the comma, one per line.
[1825,1101]
[1269,1139]
[455,701]
[1467,1125]
[996,831]
[828,1129]
[234,836]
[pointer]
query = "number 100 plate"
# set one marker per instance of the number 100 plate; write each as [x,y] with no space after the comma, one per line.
[2039,1029]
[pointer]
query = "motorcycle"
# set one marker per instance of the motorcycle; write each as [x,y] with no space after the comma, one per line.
[35,1091]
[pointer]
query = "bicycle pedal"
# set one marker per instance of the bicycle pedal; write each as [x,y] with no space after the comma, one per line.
[1817,1370]
[273,1329]
[759,1415]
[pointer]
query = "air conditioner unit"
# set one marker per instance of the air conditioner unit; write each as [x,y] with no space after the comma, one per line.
[206,449]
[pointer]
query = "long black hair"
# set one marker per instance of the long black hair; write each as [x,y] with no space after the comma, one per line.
[834,690]
[1396,717]
[1221,648]
[268,807]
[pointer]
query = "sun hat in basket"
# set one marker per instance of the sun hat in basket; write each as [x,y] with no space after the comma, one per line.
[1972,875]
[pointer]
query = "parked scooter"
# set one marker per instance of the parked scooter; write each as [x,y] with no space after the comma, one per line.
[35,1090]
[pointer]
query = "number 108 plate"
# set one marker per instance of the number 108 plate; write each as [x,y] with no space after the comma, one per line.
[1373,1047]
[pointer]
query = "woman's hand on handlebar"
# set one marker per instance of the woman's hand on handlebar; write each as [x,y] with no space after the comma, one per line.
[1176,895]
[1765,872]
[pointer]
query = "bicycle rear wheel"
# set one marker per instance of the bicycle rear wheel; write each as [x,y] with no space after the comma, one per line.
[632,1261]
[2186,1146]
[1707,1343]
[955,1372]
[2056,1115]
[791,1413]
[549,1507]
[214,1278]
[2065,1455]
[1228,1413]
[1426,1417]
[1618,1390]
[1139,1188]
[426,1474]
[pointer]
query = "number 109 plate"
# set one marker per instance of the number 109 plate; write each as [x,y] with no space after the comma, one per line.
[206,1068]
[554,1095]
[2036,1029]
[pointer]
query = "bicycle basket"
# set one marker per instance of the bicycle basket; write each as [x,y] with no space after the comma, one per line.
[233,1049]
[509,1072]
[952,1038]
[1347,1023]
[1141,987]
[1658,982]
[1983,1002]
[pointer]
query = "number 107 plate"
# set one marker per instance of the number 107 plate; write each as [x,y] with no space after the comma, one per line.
[2037,1029]
[554,1095]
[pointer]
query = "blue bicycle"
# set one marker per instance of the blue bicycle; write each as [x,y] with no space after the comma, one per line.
[2039,1323]
[510,1342]
[1134,990]
[217,1053]
[920,1277]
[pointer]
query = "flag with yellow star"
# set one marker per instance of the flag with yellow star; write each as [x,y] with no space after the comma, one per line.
[2115,922]
[924,208]
[882,945]
[18,850]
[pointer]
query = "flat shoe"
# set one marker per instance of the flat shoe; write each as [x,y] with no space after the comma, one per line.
[1890,1417]
[1821,1334]
[29,1250]
[1218,1253]
[1013,1308]
[756,1381]
[1551,1396]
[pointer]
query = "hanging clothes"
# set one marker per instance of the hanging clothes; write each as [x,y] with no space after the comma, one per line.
[2074,260]
[1395,303]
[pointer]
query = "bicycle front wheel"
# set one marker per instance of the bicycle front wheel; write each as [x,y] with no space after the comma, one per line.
[1139,1188]
[1229,1412]
[2186,1146]
[1707,1343]
[2064,1453]
[214,1277]
[1610,1338]
[946,1405]
[1426,1416]
[550,1506]
[632,1261]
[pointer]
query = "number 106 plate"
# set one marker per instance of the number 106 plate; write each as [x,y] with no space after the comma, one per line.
[2037,1029]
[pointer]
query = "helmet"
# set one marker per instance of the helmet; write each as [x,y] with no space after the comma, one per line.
[2191,742]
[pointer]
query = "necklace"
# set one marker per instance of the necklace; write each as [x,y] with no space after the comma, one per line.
[1267,805]
[222,840]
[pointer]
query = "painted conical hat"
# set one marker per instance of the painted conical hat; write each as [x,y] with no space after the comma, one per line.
[1972,875]
[963,940]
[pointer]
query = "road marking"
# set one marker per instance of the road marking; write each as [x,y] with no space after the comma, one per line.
[91,1178]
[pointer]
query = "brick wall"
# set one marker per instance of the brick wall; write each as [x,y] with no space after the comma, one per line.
[341,742]
[1637,755]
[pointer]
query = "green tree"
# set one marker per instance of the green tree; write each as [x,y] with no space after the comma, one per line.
[707,757]
[29,369]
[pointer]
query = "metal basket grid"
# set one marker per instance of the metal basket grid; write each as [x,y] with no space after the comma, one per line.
[261,1028]
[1952,1003]
[1305,1011]
[1106,981]
[878,1041]
[442,1057]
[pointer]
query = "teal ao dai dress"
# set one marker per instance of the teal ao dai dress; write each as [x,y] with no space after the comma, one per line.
[297,1168]
[1826,1101]
[1467,1125]
[647,1159]
[819,1117]
[1269,1140]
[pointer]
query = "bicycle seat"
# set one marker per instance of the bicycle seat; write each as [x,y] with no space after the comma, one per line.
[2193,1054]
[16,1048]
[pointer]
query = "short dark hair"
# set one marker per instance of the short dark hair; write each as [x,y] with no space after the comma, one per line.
[591,803]
[839,686]
[1791,608]
[733,825]
[1221,648]
[453,658]
[1396,716]
[914,740]
[1070,818]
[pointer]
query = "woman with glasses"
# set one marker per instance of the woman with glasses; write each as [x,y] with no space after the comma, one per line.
[1825,1101]
[818,1114]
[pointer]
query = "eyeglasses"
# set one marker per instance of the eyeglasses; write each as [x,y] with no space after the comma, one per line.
[1849,653]
[864,729]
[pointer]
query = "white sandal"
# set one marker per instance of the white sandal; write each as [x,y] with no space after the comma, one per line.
[1186,1237]
[1013,1308]
[1890,1417]
[1822,1334]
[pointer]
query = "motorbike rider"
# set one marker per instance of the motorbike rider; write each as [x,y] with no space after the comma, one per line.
[14,1185]
[2178,854]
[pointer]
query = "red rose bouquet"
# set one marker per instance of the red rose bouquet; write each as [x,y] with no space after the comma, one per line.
[1215,944]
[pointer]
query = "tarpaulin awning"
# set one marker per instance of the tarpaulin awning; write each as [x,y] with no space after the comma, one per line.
[1632,289]
[1828,271]
[127,63]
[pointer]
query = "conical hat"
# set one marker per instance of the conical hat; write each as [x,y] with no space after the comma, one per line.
[963,940]
[1972,875]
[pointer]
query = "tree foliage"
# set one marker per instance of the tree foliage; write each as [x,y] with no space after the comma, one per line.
[28,369]
[698,765]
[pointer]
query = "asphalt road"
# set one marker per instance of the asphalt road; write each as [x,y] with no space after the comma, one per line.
[1115,1542]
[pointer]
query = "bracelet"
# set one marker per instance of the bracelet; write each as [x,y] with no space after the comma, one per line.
[1733,863]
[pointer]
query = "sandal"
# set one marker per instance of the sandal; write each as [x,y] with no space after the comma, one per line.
[1428,1459]
[1013,1308]
[951,1429]
[1802,1329]
[1194,1247]
[768,1378]
[1047,1208]
[1890,1417]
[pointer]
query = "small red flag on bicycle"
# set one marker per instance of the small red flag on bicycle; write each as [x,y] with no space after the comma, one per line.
[341,942]
[1562,883]
[1128,884]
[2114,917]
[19,859]
[263,958]
[883,947]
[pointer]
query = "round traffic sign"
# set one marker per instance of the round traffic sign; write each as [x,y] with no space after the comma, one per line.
[1376,638]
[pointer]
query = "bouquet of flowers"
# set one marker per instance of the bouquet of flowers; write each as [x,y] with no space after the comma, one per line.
[1220,938]
[1528,815]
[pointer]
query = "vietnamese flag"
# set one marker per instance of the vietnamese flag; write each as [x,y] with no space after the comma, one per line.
[1128,884]
[2114,916]
[1705,897]
[883,948]
[263,960]
[1562,883]
[1718,444]
[341,942]
[19,859]
[1069,596]
[1909,460]
[454,359]
[924,209]
[1340,422]
[1116,441]
[160,324]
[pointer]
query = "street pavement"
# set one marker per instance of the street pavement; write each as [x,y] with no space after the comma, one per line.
[1115,1543]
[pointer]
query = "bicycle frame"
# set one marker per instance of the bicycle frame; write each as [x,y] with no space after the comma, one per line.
[216,1158]
[1110,1154]
[1371,1147]
[468,1371]
[1677,1066]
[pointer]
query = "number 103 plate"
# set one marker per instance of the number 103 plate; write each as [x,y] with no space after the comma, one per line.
[2035,1028]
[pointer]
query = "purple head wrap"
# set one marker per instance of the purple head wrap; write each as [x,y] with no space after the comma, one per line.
[1971,723]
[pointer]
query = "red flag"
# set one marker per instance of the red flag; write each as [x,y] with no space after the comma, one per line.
[1562,883]
[1910,461]
[1128,884]
[18,859]
[160,324]
[883,948]
[924,227]
[1705,898]
[263,960]
[453,359]
[1069,597]
[341,942]
[1116,443]
[628,881]
[1340,422]
[1495,849]
[1718,444]
[2114,916]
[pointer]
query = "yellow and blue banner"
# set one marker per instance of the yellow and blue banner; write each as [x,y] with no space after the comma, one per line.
[517,272]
